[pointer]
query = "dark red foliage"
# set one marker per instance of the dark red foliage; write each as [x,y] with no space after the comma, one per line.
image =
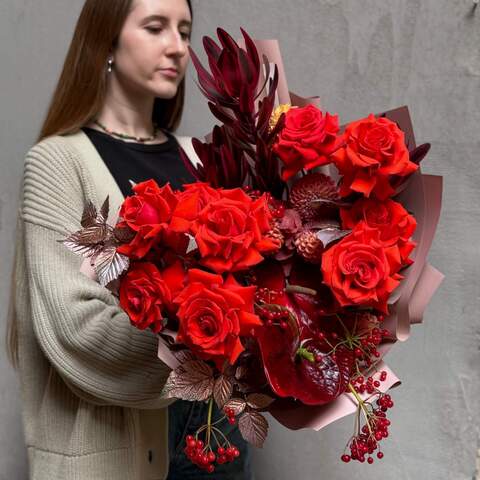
[231,86]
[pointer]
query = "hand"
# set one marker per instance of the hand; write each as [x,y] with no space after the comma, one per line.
[88,270]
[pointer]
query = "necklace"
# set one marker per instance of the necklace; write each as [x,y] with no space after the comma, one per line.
[131,137]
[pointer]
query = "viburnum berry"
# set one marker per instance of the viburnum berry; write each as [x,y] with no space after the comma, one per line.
[202,454]
[364,443]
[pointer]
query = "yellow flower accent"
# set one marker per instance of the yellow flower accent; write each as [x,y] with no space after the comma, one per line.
[277,113]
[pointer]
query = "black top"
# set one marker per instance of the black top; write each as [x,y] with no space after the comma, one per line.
[139,162]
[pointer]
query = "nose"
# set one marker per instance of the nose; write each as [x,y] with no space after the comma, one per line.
[176,44]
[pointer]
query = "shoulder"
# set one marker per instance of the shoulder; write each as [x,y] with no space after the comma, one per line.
[52,154]
[52,188]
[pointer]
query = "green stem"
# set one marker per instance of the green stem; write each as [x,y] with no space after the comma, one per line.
[209,419]
[304,353]
[361,404]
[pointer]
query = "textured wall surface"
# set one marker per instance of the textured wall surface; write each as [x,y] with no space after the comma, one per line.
[358,56]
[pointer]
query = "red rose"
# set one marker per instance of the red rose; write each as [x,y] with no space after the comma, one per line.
[307,139]
[147,213]
[213,314]
[231,232]
[190,202]
[396,226]
[145,292]
[358,271]
[375,149]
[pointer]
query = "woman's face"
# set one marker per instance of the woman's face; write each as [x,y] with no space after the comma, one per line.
[154,39]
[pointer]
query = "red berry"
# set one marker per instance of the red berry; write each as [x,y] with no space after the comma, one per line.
[211,457]
[370,460]
[380,455]
[346,458]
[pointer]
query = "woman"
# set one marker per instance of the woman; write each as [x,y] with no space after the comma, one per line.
[91,382]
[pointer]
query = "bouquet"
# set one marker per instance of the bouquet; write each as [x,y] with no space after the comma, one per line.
[277,281]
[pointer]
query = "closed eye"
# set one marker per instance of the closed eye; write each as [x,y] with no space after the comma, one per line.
[154,29]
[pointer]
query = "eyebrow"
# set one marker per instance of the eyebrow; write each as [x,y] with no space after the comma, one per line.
[163,18]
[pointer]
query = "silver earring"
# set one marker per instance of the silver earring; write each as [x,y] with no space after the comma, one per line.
[110,63]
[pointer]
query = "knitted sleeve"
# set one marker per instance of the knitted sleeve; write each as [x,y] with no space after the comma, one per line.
[79,325]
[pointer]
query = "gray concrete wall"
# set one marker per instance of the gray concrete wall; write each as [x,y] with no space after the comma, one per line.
[358,56]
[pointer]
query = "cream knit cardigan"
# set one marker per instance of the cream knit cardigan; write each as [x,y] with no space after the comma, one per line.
[90,382]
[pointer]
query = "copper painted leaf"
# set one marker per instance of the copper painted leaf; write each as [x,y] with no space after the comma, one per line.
[71,242]
[325,202]
[110,264]
[184,355]
[322,224]
[330,235]
[89,215]
[222,390]
[104,210]
[259,401]
[96,233]
[254,428]
[192,381]
[238,405]
[240,372]
[124,235]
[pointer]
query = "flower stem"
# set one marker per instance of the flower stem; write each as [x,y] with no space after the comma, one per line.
[304,353]
[209,419]
[300,289]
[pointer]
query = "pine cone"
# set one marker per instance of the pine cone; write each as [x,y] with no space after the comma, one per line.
[311,187]
[309,246]
[276,234]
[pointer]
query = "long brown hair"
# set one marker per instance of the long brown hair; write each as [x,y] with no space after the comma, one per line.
[80,94]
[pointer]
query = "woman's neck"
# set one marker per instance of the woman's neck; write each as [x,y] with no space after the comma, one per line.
[127,115]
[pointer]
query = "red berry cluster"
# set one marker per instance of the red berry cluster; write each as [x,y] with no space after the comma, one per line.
[274,317]
[368,345]
[230,413]
[375,430]
[204,457]
[277,207]
[369,385]
[271,312]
